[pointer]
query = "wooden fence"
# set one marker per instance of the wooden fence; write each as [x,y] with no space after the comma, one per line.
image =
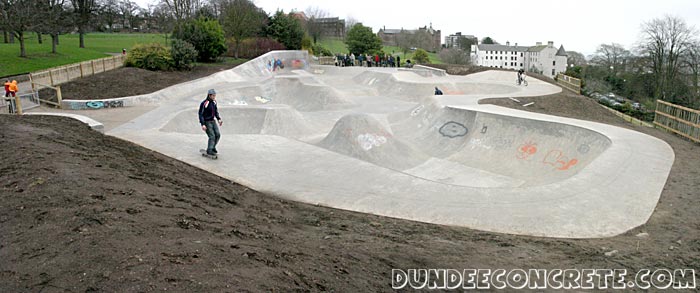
[66,73]
[678,119]
[570,83]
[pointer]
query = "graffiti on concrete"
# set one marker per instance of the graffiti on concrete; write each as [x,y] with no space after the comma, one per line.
[368,141]
[298,64]
[417,110]
[453,129]
[526,150]
[557,159]
[583,149]
[99,105]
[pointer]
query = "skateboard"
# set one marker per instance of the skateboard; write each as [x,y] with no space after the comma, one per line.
[204,154]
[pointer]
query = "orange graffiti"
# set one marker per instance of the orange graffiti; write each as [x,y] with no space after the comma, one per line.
[557,159]
[526,150]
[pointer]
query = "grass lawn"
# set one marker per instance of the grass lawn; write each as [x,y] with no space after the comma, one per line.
[39,56]
[336,45]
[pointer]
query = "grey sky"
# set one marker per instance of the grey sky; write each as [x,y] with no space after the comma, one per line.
[578,25]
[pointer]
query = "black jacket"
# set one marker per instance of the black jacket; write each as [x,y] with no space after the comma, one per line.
[208,111]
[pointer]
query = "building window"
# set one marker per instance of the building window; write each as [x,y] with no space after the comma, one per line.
[552,71]
[554,63]
[521,54]
[521,65]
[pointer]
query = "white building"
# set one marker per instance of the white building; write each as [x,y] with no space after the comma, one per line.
[499,56]
[543,59]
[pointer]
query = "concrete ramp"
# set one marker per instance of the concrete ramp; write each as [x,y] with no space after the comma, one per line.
[376,140]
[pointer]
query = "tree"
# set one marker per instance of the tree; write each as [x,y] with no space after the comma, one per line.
[361,40]
[613,56]
[17,17]
[83,10]
[465,44]
[127,10]
[576,58]
[454,56]
[350,22]
[108,13]
[313,27]
[691,63]
[182,10]
[664,41]
[241,19]
[206,35]
[421,56]
[488,41]
[404,40]
[52,19]
[285,29]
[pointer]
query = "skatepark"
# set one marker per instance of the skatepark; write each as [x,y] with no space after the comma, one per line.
[375,140]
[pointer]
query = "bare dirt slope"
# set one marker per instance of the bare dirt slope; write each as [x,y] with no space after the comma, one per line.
[81,211]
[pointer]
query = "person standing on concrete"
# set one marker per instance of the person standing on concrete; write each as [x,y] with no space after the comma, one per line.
[207,113]
[7,88]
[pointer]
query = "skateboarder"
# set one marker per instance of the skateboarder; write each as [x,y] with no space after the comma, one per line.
[438,92]
[207,113]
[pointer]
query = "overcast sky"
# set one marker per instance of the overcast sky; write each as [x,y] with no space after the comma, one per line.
[578,25]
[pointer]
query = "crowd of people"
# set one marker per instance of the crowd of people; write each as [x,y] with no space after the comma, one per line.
[368,60]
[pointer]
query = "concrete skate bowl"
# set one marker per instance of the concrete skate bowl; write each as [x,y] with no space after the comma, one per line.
[389,147]
[269,120]
[469,148]
[303,94]
[388,84]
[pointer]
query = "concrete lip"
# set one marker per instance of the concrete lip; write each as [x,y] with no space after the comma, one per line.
[375,140]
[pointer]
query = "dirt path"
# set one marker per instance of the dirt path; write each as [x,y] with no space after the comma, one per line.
[80,211]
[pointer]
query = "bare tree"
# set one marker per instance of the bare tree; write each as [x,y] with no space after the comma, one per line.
[108,13]
[52,19]
[612,56]
[83,10]
[664,41]
[17,16]
[241,19]
[350,22]
[313,26]
[182,9]
[576,58]
[127,12]
[691,63]
[454,56]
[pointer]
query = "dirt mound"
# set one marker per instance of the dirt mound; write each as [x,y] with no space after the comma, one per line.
[80,211]
[129,81]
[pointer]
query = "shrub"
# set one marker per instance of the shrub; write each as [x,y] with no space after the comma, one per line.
[149,56]
[253,47]
[320,50]
[306,44]
[206,35]
[184,54]
[420,56]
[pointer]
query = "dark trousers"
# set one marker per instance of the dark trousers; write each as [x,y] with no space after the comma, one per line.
[213,134]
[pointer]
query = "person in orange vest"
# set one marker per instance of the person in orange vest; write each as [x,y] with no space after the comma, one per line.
[13,88]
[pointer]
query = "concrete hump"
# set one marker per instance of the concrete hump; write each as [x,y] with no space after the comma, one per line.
[308,97]
[269,120]
[363,137]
